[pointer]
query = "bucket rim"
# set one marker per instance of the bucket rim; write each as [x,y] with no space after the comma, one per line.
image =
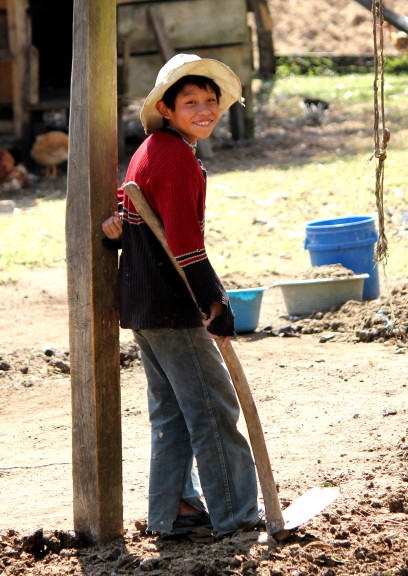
[246,290]
[322,280]
[351,220]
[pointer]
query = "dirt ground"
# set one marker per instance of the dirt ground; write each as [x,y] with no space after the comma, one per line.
[326,26]
[331,393]
[333,409]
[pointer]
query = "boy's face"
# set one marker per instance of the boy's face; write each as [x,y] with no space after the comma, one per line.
[195,114]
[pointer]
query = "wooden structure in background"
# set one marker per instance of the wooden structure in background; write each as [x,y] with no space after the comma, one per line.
[208,28]
[18,63]
[267,59]
[27,54]
[92,275]
[35,52]
[204,149]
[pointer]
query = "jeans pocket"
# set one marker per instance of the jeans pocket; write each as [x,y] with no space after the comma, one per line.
[155,333]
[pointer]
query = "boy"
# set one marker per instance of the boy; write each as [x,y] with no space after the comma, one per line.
[193,408]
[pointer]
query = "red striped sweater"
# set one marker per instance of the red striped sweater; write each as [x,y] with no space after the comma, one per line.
[152,294]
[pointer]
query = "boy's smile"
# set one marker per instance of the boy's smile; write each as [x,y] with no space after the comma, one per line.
[195,114]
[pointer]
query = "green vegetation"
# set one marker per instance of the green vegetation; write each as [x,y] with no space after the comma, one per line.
[329,65]
[33,237]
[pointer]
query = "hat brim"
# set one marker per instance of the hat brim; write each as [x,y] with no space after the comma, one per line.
[221,74]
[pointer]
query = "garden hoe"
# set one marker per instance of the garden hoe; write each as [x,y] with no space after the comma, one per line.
[278,523]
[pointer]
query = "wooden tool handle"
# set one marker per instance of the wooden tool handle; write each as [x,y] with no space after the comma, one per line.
[274,518]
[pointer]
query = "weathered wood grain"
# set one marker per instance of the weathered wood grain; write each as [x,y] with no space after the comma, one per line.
[143,70]
[19,43]
[201,23]
[92,274]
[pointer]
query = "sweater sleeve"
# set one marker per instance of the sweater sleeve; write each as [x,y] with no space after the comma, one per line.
[111,244]
[207,288]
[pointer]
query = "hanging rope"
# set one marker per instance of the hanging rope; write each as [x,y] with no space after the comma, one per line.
[381,135]
[381,138]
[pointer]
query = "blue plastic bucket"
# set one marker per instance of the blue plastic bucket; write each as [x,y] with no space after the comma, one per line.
[246,305]
[347,241]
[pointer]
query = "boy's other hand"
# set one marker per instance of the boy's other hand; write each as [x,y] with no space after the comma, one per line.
[112,227]
[216,309]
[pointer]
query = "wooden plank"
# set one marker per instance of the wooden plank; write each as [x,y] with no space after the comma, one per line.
[6,126]
[200,23]
[267,60]
[4,42]
[204,148]
[399,21]
[17,25]
[49,105]
[34,76]
[156,23]
[143,70]
[92,275]
[6,93]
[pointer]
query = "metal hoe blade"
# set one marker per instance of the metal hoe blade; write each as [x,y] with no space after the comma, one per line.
[308,505]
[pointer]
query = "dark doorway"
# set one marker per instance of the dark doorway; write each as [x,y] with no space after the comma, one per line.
[52,35]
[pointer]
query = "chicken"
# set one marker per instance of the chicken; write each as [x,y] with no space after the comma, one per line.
[6,164]
[399,39]
[49,150]
[315,110]
[17,178]
[12,176]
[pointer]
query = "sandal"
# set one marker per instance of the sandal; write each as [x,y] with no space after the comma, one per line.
[191,524]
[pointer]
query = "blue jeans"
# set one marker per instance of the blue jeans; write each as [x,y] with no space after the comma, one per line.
[193,412]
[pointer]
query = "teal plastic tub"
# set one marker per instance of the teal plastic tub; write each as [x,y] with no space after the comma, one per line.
[246,304]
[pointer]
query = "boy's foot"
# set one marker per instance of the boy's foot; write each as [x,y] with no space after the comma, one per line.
[186,508]
[191,523]
[195,527]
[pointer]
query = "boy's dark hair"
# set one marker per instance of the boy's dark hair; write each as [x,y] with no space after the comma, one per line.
[169,97]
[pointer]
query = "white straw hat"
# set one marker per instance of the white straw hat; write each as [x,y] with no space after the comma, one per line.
[184,65]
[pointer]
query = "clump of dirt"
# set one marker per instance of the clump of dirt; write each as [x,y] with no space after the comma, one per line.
[52,361]
[366,537]
[383,319]
[240,282]
[327,271]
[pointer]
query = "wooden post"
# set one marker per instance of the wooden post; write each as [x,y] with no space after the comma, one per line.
[267,59]
[92,274]
[17,23]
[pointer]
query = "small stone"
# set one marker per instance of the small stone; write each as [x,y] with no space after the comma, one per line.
[342,543]
[396,505]
[7,206]
[390,412]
